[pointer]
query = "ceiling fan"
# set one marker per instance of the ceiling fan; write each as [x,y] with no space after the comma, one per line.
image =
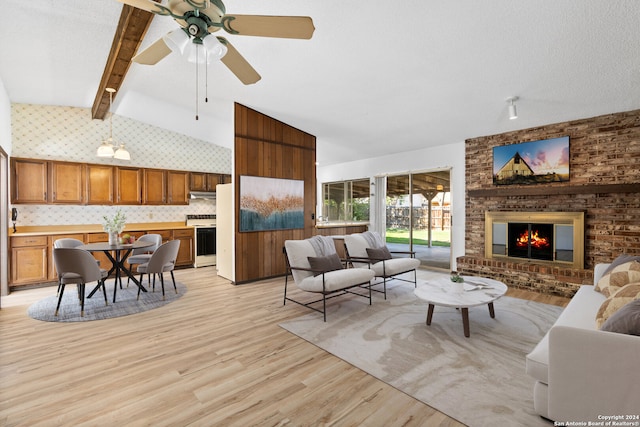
[199,19]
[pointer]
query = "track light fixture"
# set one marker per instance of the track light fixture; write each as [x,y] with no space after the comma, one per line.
[513,113]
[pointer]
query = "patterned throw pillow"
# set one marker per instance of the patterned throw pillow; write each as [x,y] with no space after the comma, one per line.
[615,302]
[619,276]
[324,263]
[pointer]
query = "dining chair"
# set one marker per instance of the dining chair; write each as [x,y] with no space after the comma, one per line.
[76,266]
[161,261]
[143,255]
[68,242]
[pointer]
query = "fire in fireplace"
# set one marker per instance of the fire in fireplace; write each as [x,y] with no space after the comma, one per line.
[531,241]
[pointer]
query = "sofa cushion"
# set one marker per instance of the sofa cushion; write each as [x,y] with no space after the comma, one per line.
[394,266]
[336,280]
[379,253]
[626,320]
[615,302]
[325,263]
[617,277]
[578,314]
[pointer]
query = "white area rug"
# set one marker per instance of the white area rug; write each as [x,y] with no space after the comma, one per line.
[479,381]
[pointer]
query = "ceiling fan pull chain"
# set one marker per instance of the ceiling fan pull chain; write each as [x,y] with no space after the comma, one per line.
[196,82]
[206,79]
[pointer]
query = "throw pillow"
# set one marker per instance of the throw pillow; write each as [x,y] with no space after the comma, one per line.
[621,259]
[625,321]
[379,254]
[322,264]
[615,302]
[619,276]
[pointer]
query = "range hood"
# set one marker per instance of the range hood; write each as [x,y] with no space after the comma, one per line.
[202,195]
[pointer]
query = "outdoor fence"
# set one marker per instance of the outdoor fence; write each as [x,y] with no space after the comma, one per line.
[398,217]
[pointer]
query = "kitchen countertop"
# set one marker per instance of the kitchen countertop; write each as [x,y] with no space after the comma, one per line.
[36,230]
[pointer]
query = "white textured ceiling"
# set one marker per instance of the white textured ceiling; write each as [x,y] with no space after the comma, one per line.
[377,77]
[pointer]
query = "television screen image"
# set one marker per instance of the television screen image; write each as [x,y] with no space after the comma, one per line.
[535,162]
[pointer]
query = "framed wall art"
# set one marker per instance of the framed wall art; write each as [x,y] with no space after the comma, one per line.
[271,203]
[535,162]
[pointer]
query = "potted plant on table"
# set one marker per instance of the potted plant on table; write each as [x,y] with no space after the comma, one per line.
[114,226]
[457,285]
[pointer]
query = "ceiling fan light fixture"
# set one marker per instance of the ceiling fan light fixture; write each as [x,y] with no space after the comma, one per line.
[177,40]
[215,49]
[195,53]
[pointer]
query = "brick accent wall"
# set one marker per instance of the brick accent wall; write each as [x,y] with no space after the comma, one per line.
[603,150]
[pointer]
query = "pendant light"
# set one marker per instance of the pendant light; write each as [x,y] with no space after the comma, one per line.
[109,148]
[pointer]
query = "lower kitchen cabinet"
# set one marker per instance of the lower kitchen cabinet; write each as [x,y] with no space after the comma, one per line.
[185,254]
[29,260]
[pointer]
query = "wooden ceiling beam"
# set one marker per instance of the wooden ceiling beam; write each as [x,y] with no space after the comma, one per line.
[132,27]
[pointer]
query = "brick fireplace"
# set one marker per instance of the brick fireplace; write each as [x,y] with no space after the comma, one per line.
[604,186]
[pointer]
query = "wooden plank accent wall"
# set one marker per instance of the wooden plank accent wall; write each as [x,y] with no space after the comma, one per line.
[604,183]
[269,148]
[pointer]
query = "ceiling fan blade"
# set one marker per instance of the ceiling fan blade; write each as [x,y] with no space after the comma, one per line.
[147,5]
[291,27]
[153,54]
[238,65]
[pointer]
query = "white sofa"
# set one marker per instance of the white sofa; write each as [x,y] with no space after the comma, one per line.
[582,373]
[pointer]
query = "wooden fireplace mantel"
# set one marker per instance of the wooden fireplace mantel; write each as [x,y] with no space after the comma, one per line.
[549,190]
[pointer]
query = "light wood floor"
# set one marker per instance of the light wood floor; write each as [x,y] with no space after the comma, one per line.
[215,357]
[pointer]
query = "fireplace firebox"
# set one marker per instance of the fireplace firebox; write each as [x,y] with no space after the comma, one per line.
[548,237]
[531,241]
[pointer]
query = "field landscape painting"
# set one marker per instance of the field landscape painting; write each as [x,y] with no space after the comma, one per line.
[271,203]
[535,162]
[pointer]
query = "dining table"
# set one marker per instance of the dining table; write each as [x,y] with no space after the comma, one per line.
[117,254]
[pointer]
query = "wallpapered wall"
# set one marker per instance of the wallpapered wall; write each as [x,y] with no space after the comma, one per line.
[69,134]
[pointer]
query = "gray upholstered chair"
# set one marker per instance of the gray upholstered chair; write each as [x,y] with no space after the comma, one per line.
[161,261]
[328,278]
[368,250]
[68,242]
[143,255]
[76,266]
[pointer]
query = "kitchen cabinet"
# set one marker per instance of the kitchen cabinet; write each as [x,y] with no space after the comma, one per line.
[202,181]
[29,263]
[186,252]
[66,183]
[29,181]
[154,187]
[100,189]
[51,239]
[178,187]
[128,186]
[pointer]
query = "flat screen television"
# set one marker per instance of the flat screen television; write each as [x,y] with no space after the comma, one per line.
[534,162]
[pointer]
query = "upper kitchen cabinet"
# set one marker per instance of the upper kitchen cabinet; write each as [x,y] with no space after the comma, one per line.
[128,185]
[66,183]
[202,181]
[154,187]
[100,188]
[178,187]
[29,181]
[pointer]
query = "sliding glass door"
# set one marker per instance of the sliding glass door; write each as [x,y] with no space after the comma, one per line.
[418,216]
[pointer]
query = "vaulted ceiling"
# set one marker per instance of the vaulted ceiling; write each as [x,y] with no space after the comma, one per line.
[377,76]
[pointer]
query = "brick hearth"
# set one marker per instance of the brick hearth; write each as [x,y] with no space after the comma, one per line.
[604,183]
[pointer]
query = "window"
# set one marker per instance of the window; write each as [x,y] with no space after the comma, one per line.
[346,200]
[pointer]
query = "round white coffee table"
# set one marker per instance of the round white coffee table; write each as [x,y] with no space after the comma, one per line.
[476,291]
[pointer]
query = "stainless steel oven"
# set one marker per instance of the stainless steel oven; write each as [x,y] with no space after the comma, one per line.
[205,239]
